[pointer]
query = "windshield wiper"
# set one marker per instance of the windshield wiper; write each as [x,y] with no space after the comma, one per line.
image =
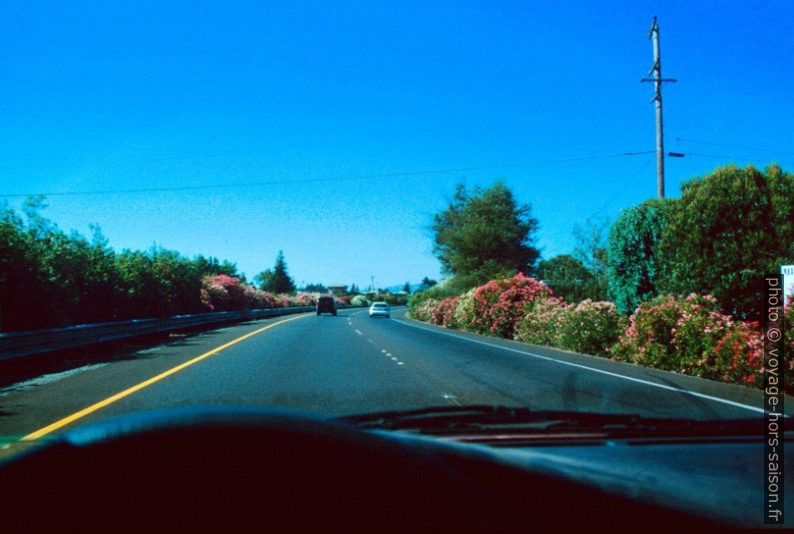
[484,419]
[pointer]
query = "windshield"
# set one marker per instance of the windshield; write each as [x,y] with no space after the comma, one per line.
[194,196]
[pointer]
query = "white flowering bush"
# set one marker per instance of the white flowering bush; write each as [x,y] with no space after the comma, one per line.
[424,311]
[540,324]
[359,300]
[590,327]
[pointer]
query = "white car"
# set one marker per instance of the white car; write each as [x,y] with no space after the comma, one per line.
[379,309]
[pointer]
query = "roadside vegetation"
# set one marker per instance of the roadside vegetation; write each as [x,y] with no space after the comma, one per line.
[51,279]
[675,284]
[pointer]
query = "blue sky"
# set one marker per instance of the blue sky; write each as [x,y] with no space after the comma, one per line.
[296,97]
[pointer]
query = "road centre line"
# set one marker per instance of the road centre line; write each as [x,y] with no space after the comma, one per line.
[593,369]
[60,423]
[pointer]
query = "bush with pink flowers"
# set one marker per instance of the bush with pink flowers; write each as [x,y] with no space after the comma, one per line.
[540,324]
[221,292]
[590,327]
[496,307]
[424,311]
[738,357]
[688,335]
[444,312]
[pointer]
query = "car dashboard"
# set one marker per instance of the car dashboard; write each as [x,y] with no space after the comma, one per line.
[243,469]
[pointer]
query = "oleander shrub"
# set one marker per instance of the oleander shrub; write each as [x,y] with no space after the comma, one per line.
[688,335]
[222,292]
[424,311]
[268,299]
[590,327]
[359,300]
[540,324]
[738,357]
[465,312]
[496,307]
[444,312]
[303,299]
[449,287]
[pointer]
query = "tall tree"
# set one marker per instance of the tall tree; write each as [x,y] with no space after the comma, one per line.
[315,288]
[407,288]
[634,253]
[726,232]
[567,277]
[276,280]
[485,234]
[428,282]
[591,249]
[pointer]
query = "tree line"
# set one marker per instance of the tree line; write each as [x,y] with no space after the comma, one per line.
[49,278]
[727,231]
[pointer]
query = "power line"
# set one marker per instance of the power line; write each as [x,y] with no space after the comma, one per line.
[622,189]
[331,179]
[719,156]
[734,146]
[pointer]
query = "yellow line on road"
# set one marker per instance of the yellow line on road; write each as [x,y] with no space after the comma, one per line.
[129,391]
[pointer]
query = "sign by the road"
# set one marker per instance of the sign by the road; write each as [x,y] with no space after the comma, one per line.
[788,280]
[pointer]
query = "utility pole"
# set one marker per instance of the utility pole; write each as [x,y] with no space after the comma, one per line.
[656,70]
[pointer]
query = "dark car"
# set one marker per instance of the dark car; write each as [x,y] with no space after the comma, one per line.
[327,305]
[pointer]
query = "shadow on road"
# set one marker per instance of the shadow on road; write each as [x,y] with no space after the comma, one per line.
[25,368]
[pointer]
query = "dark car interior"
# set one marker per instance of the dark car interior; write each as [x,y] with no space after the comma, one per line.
[274,470]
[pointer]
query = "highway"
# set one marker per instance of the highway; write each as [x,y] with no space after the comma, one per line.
[351,364]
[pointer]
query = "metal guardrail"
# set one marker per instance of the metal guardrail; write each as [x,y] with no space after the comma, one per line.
[19,344]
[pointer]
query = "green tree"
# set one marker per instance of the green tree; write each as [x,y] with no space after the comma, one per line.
[634,253]
[728,230]
[567,277]
[428,282]
[276,280]
[407,288]
[214,266]
[26,292]
[591,250]
[485,235]
[89,288]
[315,288]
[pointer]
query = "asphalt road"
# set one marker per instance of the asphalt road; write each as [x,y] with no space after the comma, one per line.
[351,364]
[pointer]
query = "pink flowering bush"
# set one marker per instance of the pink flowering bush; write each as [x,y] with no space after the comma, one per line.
[465,313]
[688,335]
[444,312]
[590,327]
[302,299]
[424,311]
[268,299]
[540,324]
[221,292]
[738,357]
[224,292]
[496,307]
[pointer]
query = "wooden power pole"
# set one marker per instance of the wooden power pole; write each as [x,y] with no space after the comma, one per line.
[656,71]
